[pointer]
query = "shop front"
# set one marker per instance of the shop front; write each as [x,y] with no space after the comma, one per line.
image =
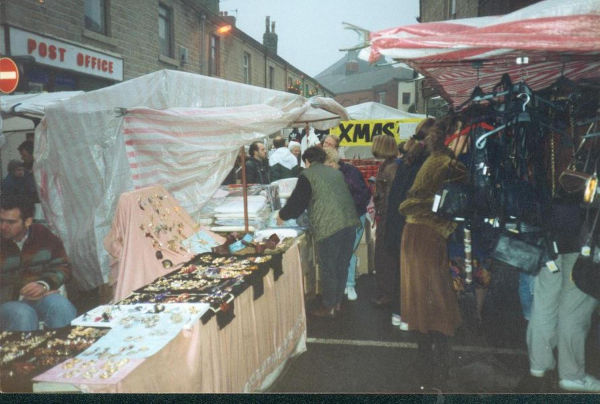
[52,64]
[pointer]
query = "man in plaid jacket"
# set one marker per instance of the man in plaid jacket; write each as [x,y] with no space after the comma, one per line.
[33,267]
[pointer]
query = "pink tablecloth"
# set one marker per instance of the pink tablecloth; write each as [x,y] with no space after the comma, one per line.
[237,358]
[133,241]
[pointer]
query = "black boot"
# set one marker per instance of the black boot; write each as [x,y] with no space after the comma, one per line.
[441,356]
[424,362]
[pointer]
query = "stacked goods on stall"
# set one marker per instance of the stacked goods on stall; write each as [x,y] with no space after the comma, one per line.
[367,167]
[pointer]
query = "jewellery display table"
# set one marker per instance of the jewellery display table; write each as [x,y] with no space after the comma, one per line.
[246,355]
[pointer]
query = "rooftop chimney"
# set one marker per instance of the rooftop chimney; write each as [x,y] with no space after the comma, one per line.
[352,65]
[270,37]
[229,18]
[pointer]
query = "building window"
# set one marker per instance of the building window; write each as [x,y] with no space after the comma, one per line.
[165,29]
[247,68]
[271,77]
[452,8]
[213,57]
[405,98]
[95,16]
[306,90]
[382,98]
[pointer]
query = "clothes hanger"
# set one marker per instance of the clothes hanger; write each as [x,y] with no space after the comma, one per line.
[481,140]
[477,91]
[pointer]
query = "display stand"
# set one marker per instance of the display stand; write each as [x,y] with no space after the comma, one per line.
[244,356]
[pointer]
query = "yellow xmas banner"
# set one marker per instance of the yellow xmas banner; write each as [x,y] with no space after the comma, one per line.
[361,132]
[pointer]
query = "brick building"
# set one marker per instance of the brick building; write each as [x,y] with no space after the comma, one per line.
[89,44]
[439,10]
[355,81]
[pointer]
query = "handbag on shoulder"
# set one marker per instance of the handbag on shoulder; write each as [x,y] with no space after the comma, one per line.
[455,200]
[586,272]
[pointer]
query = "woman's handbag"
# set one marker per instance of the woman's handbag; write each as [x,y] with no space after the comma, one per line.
[586,275]
[455,201]
[574,180]
[586,272]
[527,252]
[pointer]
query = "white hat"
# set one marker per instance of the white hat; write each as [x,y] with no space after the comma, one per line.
[293,145]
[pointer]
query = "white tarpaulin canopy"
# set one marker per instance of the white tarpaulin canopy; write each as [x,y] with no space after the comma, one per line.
[558,37]
[375,110]
[16,111]
[179,130]
[32,105]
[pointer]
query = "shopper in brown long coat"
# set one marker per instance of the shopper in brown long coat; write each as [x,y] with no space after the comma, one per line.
[428,301]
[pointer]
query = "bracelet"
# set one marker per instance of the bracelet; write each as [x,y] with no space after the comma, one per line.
[44,285]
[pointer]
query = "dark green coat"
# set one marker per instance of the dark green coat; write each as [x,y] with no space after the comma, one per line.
[331,207]
[279,172]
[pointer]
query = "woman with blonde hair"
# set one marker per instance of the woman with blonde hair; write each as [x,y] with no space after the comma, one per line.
[386,264]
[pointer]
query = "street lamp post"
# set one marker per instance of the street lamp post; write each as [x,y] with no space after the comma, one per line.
[222,29]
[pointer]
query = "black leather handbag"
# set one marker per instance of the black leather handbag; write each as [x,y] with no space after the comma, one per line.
[526,252]
[455,201]
[586,275]
[586,272]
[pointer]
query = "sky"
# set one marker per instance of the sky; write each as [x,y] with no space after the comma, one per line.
[310,32]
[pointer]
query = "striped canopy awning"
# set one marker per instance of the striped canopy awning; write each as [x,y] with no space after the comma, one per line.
[557,37]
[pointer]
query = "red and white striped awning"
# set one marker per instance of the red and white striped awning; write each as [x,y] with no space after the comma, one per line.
[557,36]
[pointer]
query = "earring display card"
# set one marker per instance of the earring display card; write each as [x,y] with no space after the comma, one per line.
[115,316]
[143,330]
[200,242]
[76,371]
[102,316]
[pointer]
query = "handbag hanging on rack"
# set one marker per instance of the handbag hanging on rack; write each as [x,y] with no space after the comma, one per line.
[526,252]
[586,272]
[579,179]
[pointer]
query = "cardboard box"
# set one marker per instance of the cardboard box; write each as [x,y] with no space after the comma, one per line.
[369,233]
[365,259]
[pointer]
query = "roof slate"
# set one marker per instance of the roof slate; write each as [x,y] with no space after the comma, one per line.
[368,76]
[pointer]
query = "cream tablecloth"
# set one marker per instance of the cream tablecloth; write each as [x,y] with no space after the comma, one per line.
[244,356]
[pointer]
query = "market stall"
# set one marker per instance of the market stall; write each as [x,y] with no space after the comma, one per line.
[182,301]
[151,153]
[527,86]
[179,130]
[537,44]
[241,349]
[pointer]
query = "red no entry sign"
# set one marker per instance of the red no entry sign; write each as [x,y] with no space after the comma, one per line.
[9,75]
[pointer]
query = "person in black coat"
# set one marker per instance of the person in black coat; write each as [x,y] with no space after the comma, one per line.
[257,165]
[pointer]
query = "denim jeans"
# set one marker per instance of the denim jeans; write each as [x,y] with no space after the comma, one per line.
[55,310]
[526,283]
[354,260]
[334,257]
